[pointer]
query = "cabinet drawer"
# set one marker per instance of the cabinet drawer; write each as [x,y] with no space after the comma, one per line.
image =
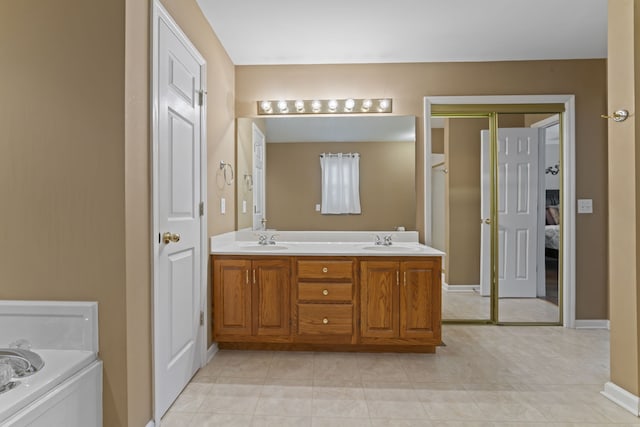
[325,319]
[320,269]
[317,291]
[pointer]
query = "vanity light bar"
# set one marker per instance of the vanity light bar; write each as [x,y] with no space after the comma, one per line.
[325,106]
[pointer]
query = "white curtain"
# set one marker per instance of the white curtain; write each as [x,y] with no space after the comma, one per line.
[340,183]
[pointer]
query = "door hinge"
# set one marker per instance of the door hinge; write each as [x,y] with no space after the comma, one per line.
[202,318]
[201,97]
[201,208]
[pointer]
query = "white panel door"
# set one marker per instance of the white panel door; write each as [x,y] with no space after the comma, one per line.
[259,170]
[517,212]
[177,300]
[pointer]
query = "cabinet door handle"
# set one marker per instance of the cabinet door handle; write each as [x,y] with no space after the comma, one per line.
[325,321]
[397,277]
[405,278]
[325,292]
[254,276]
[325,270]
[247,276]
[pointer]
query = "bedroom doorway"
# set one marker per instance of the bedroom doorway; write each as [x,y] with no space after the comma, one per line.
[531,182]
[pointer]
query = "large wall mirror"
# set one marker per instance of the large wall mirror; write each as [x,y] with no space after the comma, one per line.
[279,174]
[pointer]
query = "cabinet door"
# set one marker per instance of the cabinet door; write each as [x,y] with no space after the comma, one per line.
[231,297]
[379,299]
[271,297]
[420,299]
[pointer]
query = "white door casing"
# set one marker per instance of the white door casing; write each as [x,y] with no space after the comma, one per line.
[517,212]
[259,171]
[178,171]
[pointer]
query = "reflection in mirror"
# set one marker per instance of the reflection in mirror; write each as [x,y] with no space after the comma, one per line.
[529,216]
[456,202]
[461,194]
[292,173]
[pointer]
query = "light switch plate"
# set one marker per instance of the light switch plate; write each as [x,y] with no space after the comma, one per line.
[244,206]
[585,206]
[317,208]
[223,206]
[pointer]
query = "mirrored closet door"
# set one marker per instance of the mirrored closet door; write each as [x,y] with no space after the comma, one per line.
[496,183]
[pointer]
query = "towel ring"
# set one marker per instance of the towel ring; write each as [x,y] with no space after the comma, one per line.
[223,167]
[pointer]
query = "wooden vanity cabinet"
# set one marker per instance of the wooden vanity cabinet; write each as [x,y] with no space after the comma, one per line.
[251,299]
[324,296]
[327,303]
[400,301]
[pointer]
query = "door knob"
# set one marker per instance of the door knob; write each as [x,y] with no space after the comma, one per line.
[169,237]
[486,221]
[617,116]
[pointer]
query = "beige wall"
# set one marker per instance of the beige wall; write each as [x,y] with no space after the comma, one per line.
[62,169]
[137,209]
[437,140]
[407,84]
[462,200]
[74,169]
[387,186]
[624,168]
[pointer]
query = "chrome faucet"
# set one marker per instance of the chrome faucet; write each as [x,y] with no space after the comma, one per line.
[264,239]
[384,241]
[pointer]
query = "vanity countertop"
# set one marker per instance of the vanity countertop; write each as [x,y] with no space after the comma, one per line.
[320,243]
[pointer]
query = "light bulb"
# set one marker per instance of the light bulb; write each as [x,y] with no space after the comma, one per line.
[316,106]
[282,106]
[266,106]
[333,105]
[383,105]
[349,104]
[299,106]
[366,104]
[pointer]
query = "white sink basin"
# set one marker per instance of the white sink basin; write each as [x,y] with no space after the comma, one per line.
[390,248]
[266,248]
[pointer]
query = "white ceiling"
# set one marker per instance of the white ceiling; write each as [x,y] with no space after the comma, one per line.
[381,31]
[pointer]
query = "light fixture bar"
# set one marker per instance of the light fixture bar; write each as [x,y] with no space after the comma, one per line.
[324,106]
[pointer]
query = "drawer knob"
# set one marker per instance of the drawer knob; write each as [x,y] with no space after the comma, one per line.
[325,269]
[325,321]
[325,292]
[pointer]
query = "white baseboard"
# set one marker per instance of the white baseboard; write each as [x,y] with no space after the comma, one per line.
[592,324]
[211,352]
[460,288]
[622,397]
[150,424]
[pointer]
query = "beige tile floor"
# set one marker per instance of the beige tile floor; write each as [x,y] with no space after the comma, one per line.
[484,376]
[470,305]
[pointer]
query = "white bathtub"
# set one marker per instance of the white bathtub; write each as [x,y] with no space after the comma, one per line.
[67,391]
